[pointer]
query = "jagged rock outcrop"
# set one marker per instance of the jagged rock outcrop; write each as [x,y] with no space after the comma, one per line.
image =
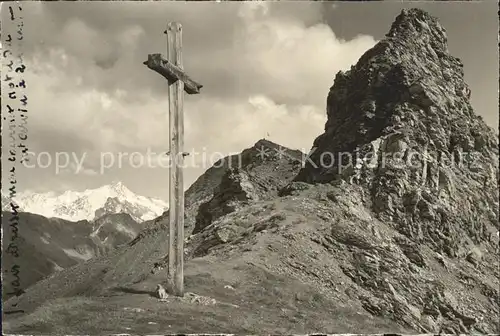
[114,205]
[112,230]
[400,123]
[264,170]
[235,191]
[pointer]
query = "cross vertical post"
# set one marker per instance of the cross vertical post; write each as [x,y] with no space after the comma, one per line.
[176,192]
[172,70]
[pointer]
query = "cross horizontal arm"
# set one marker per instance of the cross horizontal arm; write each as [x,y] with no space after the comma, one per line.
[172,73]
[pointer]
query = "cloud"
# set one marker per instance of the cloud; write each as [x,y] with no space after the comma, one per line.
[240,124]
[266,68]
[292,62]
[76,169]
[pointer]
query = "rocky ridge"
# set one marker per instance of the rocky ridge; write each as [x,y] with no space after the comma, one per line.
[257,173]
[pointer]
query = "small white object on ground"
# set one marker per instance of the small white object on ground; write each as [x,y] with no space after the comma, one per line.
[161,293]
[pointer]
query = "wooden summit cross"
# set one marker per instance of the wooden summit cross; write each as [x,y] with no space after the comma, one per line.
[178,81]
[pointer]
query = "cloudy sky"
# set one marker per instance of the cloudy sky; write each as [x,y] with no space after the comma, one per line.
[266,69]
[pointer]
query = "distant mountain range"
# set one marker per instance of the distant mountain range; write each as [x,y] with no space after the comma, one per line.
[89,204]
[59,231]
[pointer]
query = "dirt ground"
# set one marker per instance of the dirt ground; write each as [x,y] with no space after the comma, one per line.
[251,301]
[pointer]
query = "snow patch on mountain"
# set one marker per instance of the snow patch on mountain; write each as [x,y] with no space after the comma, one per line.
[91,203]
[85,255]
[126,230]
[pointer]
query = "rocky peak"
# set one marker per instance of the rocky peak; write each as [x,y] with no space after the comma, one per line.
[416,22]
[266,144]
[400,124]
[117,186]
[408,83]
[257,173]
[262,171]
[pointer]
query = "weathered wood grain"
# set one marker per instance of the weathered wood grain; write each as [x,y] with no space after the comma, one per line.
[172,73]
[176,219]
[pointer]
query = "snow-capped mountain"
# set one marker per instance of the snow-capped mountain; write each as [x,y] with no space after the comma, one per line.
[6,204]
[91,204]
